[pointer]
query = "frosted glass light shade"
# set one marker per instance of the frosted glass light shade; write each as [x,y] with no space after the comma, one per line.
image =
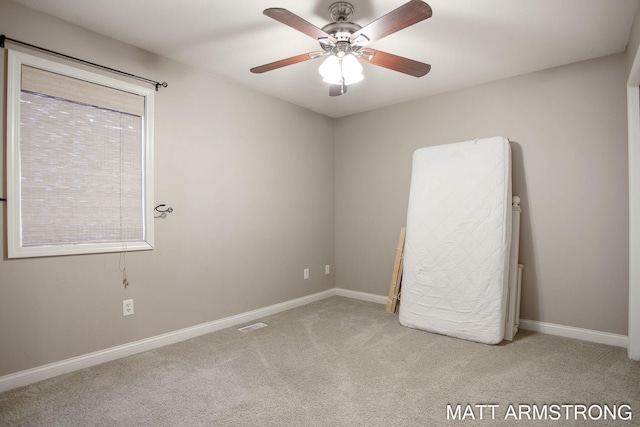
[351,69]
[333,70]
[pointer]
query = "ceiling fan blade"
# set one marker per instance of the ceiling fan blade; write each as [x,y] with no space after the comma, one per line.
[402,17]
[284,62]
[297,23]
[394,62]
[337,90]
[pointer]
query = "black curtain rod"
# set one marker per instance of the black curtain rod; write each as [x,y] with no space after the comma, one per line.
[3,38]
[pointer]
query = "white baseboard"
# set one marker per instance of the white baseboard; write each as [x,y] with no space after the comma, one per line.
[51,370]
[364,296]
[529,325]
[577,333]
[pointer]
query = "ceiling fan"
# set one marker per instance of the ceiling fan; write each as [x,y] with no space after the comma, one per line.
[344,43]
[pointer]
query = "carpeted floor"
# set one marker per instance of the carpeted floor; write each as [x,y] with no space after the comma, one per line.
[342,362]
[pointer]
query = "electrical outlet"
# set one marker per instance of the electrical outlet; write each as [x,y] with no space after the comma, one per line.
[306,273]
[127,307]
[327,269]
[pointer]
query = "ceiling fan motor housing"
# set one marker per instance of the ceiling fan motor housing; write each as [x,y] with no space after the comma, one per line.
[340,29]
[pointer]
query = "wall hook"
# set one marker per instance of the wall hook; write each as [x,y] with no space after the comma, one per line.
[163,212]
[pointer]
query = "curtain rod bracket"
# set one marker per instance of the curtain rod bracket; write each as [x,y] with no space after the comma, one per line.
[4,38]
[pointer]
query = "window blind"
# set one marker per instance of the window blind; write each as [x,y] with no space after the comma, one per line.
[80,161]
[80,91]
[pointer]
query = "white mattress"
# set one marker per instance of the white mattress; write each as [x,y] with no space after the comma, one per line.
[456,255]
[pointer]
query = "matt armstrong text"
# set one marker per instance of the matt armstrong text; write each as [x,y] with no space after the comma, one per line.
[541,412]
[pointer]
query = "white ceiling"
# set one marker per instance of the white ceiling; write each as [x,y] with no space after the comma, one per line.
[467,42]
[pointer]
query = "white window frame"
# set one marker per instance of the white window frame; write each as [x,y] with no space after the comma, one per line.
[14,214]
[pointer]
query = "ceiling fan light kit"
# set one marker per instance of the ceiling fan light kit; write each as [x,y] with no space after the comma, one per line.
[344,43]
[337,70]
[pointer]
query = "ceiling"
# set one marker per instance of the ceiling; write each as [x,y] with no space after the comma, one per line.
[467,42]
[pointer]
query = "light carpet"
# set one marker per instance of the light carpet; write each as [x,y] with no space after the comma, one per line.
[341,362]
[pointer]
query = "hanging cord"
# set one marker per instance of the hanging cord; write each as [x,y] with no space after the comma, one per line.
[123,265]
[4,38]
[123,254]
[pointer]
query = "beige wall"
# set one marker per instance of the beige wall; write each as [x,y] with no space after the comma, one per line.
[253,182]
[250,179]
[568,127]
[633,44]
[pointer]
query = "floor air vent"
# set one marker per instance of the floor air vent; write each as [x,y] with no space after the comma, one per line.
[253,327]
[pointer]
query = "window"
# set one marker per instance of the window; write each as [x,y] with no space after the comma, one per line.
[79,161]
